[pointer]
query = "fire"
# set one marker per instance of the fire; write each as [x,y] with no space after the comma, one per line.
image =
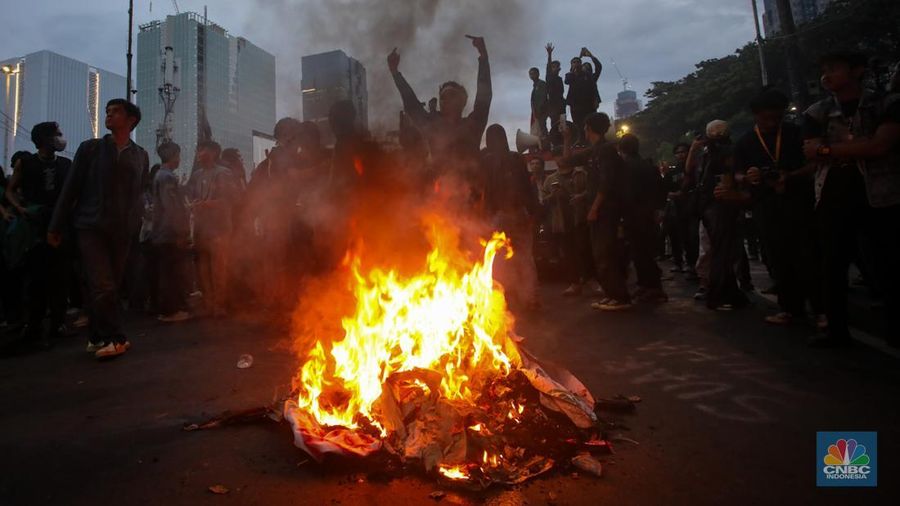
[454,472]
[450,318]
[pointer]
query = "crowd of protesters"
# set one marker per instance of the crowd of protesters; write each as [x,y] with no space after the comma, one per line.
[809,194]
[84,235]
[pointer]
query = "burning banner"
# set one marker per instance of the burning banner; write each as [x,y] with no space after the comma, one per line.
[430,370]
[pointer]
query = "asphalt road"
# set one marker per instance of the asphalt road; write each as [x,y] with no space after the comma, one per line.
[729,414]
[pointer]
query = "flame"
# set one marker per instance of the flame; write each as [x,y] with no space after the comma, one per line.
[451,318]
[454,472]
[476,427]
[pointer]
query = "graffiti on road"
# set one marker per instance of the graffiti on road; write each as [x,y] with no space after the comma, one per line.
[725,385]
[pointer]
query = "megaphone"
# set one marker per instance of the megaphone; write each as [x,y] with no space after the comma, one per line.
[524,141]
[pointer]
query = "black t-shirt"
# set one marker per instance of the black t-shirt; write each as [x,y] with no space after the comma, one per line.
[647,192]
[42,180]
[749,152]
[605,174]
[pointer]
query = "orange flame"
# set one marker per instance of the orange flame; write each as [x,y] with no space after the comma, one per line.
[454,472]
[447,319]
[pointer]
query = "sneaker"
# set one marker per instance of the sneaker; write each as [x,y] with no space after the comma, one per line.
[779,319]
[613,305]
[92,346]
[112,350]
[701,294]
[178,316]
[677,268]
[725,307]
[821,322]
[572,290]
[81,322]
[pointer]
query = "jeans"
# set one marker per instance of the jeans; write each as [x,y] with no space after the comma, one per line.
[103,256]
[212,271]
[641,232]
[720,222]
[168,260]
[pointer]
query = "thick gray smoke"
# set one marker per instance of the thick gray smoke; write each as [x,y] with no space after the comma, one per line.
[429,33]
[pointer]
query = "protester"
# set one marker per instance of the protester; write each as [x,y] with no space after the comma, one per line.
[854,138]
[102,199]
[538,102]
[582,90]
[453,140]
[674,220]
[771,156]
[720,203]
[170,237]
[556,102]
[511,206]
[39,178]
[606,189]
[212,190]
[565,195]
[646,197]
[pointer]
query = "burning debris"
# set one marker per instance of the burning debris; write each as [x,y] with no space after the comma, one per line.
[430,370]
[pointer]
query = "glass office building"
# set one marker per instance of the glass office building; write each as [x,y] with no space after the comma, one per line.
[227,77]
[328,78]
[46,86]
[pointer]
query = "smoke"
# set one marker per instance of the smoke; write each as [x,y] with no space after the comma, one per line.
[430,35]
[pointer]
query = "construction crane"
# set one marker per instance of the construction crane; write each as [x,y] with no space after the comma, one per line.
[623,78]
[175,4]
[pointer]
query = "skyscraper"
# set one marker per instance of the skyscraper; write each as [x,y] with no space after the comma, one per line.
[330,77]
[627,104]
[804,11]
[225,78]
[46,86]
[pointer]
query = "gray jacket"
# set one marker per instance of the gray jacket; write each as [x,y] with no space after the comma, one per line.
[102,191]
[171,219]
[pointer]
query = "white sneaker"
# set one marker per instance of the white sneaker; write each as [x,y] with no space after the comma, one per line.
[179,316]
[92,347]
[112,350]
[779,319]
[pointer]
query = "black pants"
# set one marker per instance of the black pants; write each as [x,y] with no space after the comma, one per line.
[640,231]
[838,232]
[790,241]
[608,259]
[168,268]
[11,292]
[46,287]
[883,233]
[104,256]
[689,233]
[576,249]
[579,114]
[720,220]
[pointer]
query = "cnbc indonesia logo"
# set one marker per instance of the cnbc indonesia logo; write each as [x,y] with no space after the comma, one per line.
[847,461]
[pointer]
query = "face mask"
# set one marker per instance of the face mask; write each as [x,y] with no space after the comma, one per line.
[59,143]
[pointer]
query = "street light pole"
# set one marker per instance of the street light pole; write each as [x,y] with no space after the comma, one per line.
[128,55]
[759,45]
[789,31]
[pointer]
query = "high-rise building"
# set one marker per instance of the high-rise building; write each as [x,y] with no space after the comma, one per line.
[804,11]
[46,86]
[627,104]
[330,77]
[222,80]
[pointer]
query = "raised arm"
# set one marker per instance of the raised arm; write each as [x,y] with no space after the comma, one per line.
[598,67]
[549,59]
[484,92]
[411,104]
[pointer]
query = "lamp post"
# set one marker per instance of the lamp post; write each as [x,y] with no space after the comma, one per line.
[759,45]
[8,71]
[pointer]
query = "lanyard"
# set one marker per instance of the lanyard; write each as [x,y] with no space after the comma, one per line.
[762,141]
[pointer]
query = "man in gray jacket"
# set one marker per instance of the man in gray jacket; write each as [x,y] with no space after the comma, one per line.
[101,198]
[169,236]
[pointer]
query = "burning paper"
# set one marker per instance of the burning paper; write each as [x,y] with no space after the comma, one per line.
[428,371]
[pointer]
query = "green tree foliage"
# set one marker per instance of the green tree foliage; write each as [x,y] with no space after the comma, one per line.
[720,88]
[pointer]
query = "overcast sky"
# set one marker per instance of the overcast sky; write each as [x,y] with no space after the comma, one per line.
[651,40]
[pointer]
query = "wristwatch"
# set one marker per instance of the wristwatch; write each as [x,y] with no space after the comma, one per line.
[823,151]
